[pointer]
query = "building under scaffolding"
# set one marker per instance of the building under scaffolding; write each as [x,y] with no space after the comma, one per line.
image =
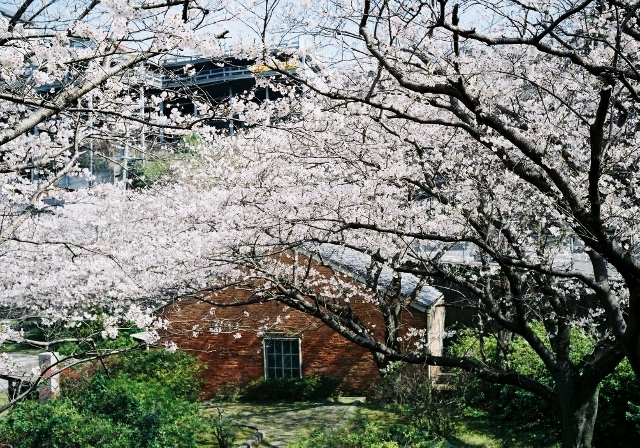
[211,81]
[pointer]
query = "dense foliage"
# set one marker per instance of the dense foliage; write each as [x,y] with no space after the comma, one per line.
[81,340]
[618,406]
[140,400]
[489,145]
[311,387]
[410,392]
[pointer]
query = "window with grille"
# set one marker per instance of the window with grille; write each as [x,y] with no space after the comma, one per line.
[282,358]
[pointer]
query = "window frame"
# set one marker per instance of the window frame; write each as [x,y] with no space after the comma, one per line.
[281,338]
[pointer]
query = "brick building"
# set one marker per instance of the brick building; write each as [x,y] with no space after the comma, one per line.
[240,344]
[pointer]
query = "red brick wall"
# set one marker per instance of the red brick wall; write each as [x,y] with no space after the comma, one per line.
[231,360]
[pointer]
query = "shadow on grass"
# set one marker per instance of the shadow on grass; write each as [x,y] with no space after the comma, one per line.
[481,430]
[284,422]
[23,349]
[289,421]
[265,408]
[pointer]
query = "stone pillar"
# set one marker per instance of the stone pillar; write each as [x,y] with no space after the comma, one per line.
[50,385]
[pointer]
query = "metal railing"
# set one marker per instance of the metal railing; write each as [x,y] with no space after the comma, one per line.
[205,77]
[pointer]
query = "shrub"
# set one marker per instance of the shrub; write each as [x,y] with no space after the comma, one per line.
[224,429]
[293,389]
[619,398]
[148,173]
[177,371]
[505,402]
[421,405]
[87,332]
[229,393]
[145,400]
[59,423]
[618,423]
[403,384]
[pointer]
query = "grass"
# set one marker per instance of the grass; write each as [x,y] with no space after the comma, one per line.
[4,399]
[478,429]
[287,423]
[23,349]
[284,422]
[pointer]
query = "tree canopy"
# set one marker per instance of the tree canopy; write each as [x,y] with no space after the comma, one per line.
[486,147]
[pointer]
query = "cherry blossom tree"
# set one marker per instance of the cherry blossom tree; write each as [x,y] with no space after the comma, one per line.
[71,77]
[548,88]
[103,263]
[424,132]
[350,187]
[488,148]
[72,85]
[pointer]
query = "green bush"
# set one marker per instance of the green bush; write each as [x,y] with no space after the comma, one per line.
[293,389]
[229,393]
[190,142]
[618,422]
[59,423]
[143,400]
[505,402]
[410,393]
[87,332]
[618,419]
[177,372]
[223,428]
[146,174]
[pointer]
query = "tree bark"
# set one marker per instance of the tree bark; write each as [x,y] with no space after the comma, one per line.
[631,339]
[578,411]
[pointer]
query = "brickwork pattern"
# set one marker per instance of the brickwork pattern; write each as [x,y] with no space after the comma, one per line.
[234,354]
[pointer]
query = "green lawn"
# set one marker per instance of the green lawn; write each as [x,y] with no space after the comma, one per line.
[284,422]
[23,349]
[287,423]
[477,429]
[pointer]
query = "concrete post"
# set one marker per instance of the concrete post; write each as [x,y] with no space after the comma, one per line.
[50,384]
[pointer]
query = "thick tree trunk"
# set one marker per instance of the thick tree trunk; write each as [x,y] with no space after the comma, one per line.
[631,344]
[631,339]
[578,409]
[577,427]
